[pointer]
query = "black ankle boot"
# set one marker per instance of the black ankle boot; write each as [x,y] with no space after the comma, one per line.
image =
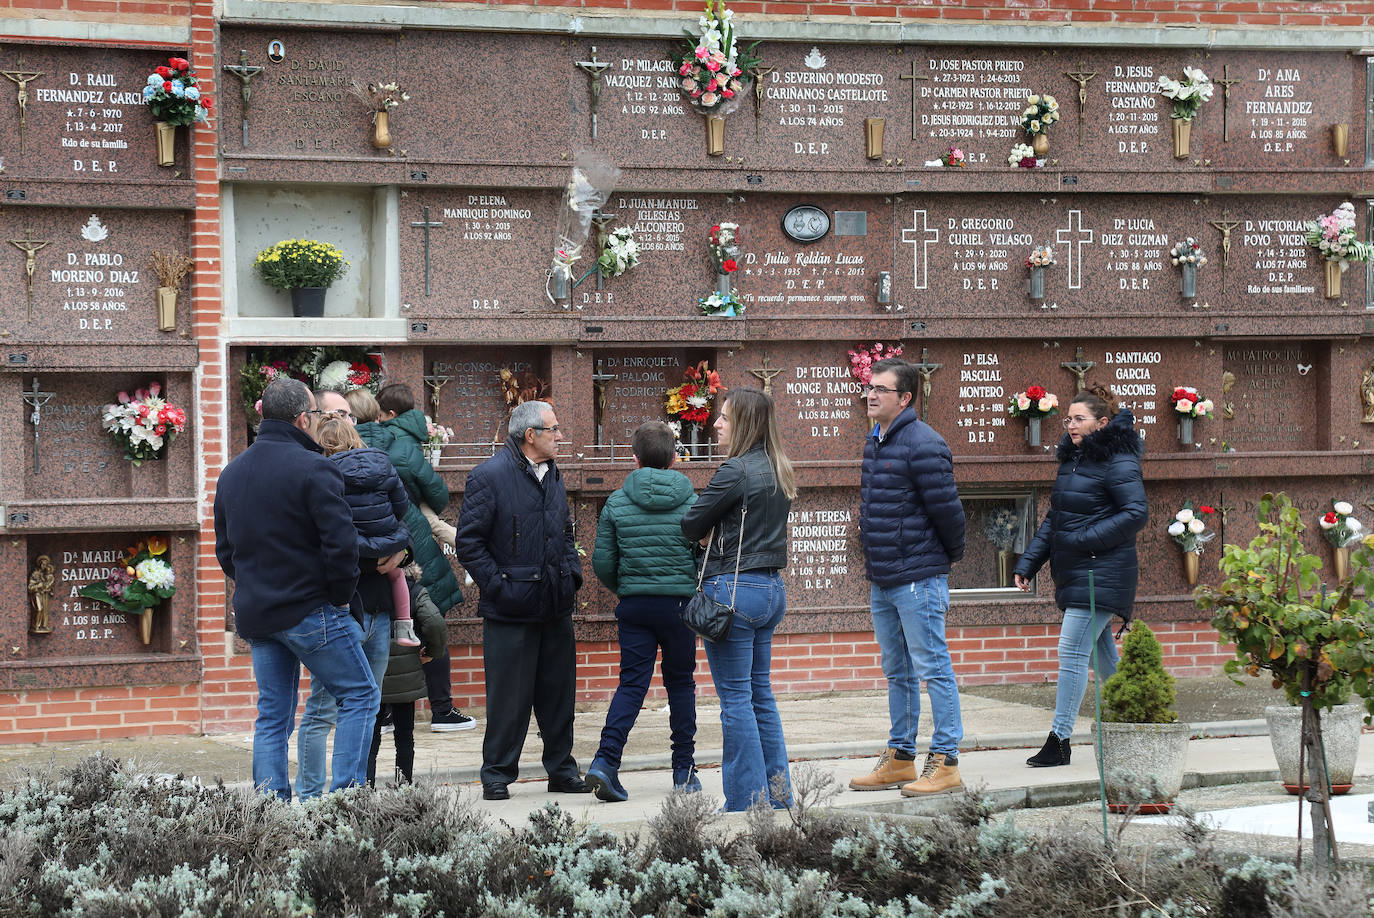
[1055,752]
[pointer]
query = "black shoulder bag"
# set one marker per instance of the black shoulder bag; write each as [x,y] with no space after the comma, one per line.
[706,616]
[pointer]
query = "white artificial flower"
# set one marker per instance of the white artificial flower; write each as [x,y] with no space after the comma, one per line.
[1184,516]
[1324,524]
[156,574]
[1343,507]
[1176,528]
[1194,75]
[1353,524]
[334,376]
[1196,526]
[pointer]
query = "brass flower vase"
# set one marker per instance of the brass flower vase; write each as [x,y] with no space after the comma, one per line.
[166,309]
[1340,139]
[166,144]
[873,137]
[1333,279]
[1040,143]
[1191,563]
[381,130]
[1183,132]
[1341,563]
[145,625]
[1006,564]
[715,135]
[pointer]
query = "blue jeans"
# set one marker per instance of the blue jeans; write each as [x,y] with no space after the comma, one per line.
[329,642]
[755,752]
[909,623]
[322,711]
[1076,640]
[647,623]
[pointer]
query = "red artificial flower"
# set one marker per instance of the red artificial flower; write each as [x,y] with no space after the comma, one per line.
[166,86]
[359,374]
[692,373]
[729,266]
[688,390]
[179,63]
[1206,509]
[1330,517]
[205,101]
[1035,392]
[163,72]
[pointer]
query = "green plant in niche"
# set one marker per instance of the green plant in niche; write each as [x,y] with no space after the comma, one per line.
[1141,691]
[295,263]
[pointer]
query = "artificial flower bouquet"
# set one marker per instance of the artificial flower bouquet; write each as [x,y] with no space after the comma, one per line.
[140,580]
[1187,252]
[1188,402]
[1334,237]
[1002,528]
[725,247]
[295,263]
[173,93]
[145,424]
[1339,526]
[721,304]
[1035,402]
[690,401]
[1189,529]
[1022,157]
[861,360]
[338,369]
[438,434]
[1041,257]
[1187,94]
[955,158]
[712,68]
[380,97]
[619,253]
[1041,111]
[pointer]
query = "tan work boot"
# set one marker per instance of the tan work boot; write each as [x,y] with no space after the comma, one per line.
[890,772]
[936,778]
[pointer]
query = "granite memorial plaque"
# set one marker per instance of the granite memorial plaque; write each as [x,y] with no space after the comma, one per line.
[825,560]
[638,391]
[474,402]
[1274,403]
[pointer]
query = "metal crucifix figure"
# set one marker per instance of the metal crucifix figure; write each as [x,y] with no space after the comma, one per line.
[594,68]
[245,72]
[36,398]
[21,79]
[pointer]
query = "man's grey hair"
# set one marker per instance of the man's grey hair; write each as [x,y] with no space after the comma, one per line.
[527,415]
[284,399]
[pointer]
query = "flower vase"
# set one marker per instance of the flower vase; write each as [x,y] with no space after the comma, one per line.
[873,137]
[1185,430]
[145,625]
[1040,143]
[715,135]
[1037,279]
[166,309]
[1191,560]
[1183,132]
[1006,563]
[1340,139]
[307,302]
[166,144]
[723,284]
[433,452]
[1341,563]
[1333,279]
[381,130]
[1033,432]
[1188,283]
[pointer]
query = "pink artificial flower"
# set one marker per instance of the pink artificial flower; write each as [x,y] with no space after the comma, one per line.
[711,85]
[696,94]
[123,398]
[689,85]
[702,53]
[736,72]
[1022,402]
[712,66]
[685,69]
[1046,403]
[709,99]
[154,389]
[257,406]
[729,94]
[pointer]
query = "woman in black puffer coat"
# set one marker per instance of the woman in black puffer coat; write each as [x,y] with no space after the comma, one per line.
[1097,508]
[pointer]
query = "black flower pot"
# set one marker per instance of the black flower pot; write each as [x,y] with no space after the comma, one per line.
[307,302]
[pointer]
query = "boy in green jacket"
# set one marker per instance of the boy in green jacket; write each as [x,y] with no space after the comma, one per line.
[642,556]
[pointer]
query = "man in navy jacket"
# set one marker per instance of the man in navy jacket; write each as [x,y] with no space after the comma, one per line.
[912,525]
[515,539]
[284,533]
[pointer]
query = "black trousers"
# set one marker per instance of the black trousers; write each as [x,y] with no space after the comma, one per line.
[528,667]
[403,717]
[439,683]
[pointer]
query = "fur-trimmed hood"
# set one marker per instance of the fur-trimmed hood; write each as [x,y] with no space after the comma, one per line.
[1119,436]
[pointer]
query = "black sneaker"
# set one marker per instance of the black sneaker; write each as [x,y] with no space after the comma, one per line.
[385,722]
[451,722]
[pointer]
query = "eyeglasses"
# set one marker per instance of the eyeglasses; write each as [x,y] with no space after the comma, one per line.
[879,390]
[342,414]
[1070,422]
[557,428]
[315,412]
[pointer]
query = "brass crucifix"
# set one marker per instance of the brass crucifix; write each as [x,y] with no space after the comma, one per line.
[1081,77]
[1079,368]
[245,72]
[21,79]
[925,367]
[765,374]
[758,73]
[913,76]
[1226,83]
[1225,226]
[594,69]
[435,381]
[30,246]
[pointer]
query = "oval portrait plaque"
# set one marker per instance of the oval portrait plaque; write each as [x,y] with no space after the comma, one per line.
[805,223]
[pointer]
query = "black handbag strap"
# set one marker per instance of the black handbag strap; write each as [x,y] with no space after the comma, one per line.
[739,549]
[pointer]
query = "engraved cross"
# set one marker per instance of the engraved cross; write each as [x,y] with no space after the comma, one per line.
[920,236]
[1074,236]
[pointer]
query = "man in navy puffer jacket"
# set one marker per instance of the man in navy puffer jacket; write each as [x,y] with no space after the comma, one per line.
[912,525]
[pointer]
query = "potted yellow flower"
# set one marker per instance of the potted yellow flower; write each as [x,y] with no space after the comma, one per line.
[304,267]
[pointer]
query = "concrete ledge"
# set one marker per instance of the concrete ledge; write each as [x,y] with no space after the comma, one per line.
[97,31]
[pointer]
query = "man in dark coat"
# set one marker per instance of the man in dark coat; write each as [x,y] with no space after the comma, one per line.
[284,533]
[912,525]
[515,538]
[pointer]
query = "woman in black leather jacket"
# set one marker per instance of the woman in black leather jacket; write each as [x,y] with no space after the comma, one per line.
[1097,508]
[755,483]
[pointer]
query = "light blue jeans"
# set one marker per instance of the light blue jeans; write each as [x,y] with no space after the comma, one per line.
[909,623]
[1076,640]
[329,642]
[751,728]
[322,711]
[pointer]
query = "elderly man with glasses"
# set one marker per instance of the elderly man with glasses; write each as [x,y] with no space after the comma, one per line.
[284,533]
[912,525]
[515,539]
